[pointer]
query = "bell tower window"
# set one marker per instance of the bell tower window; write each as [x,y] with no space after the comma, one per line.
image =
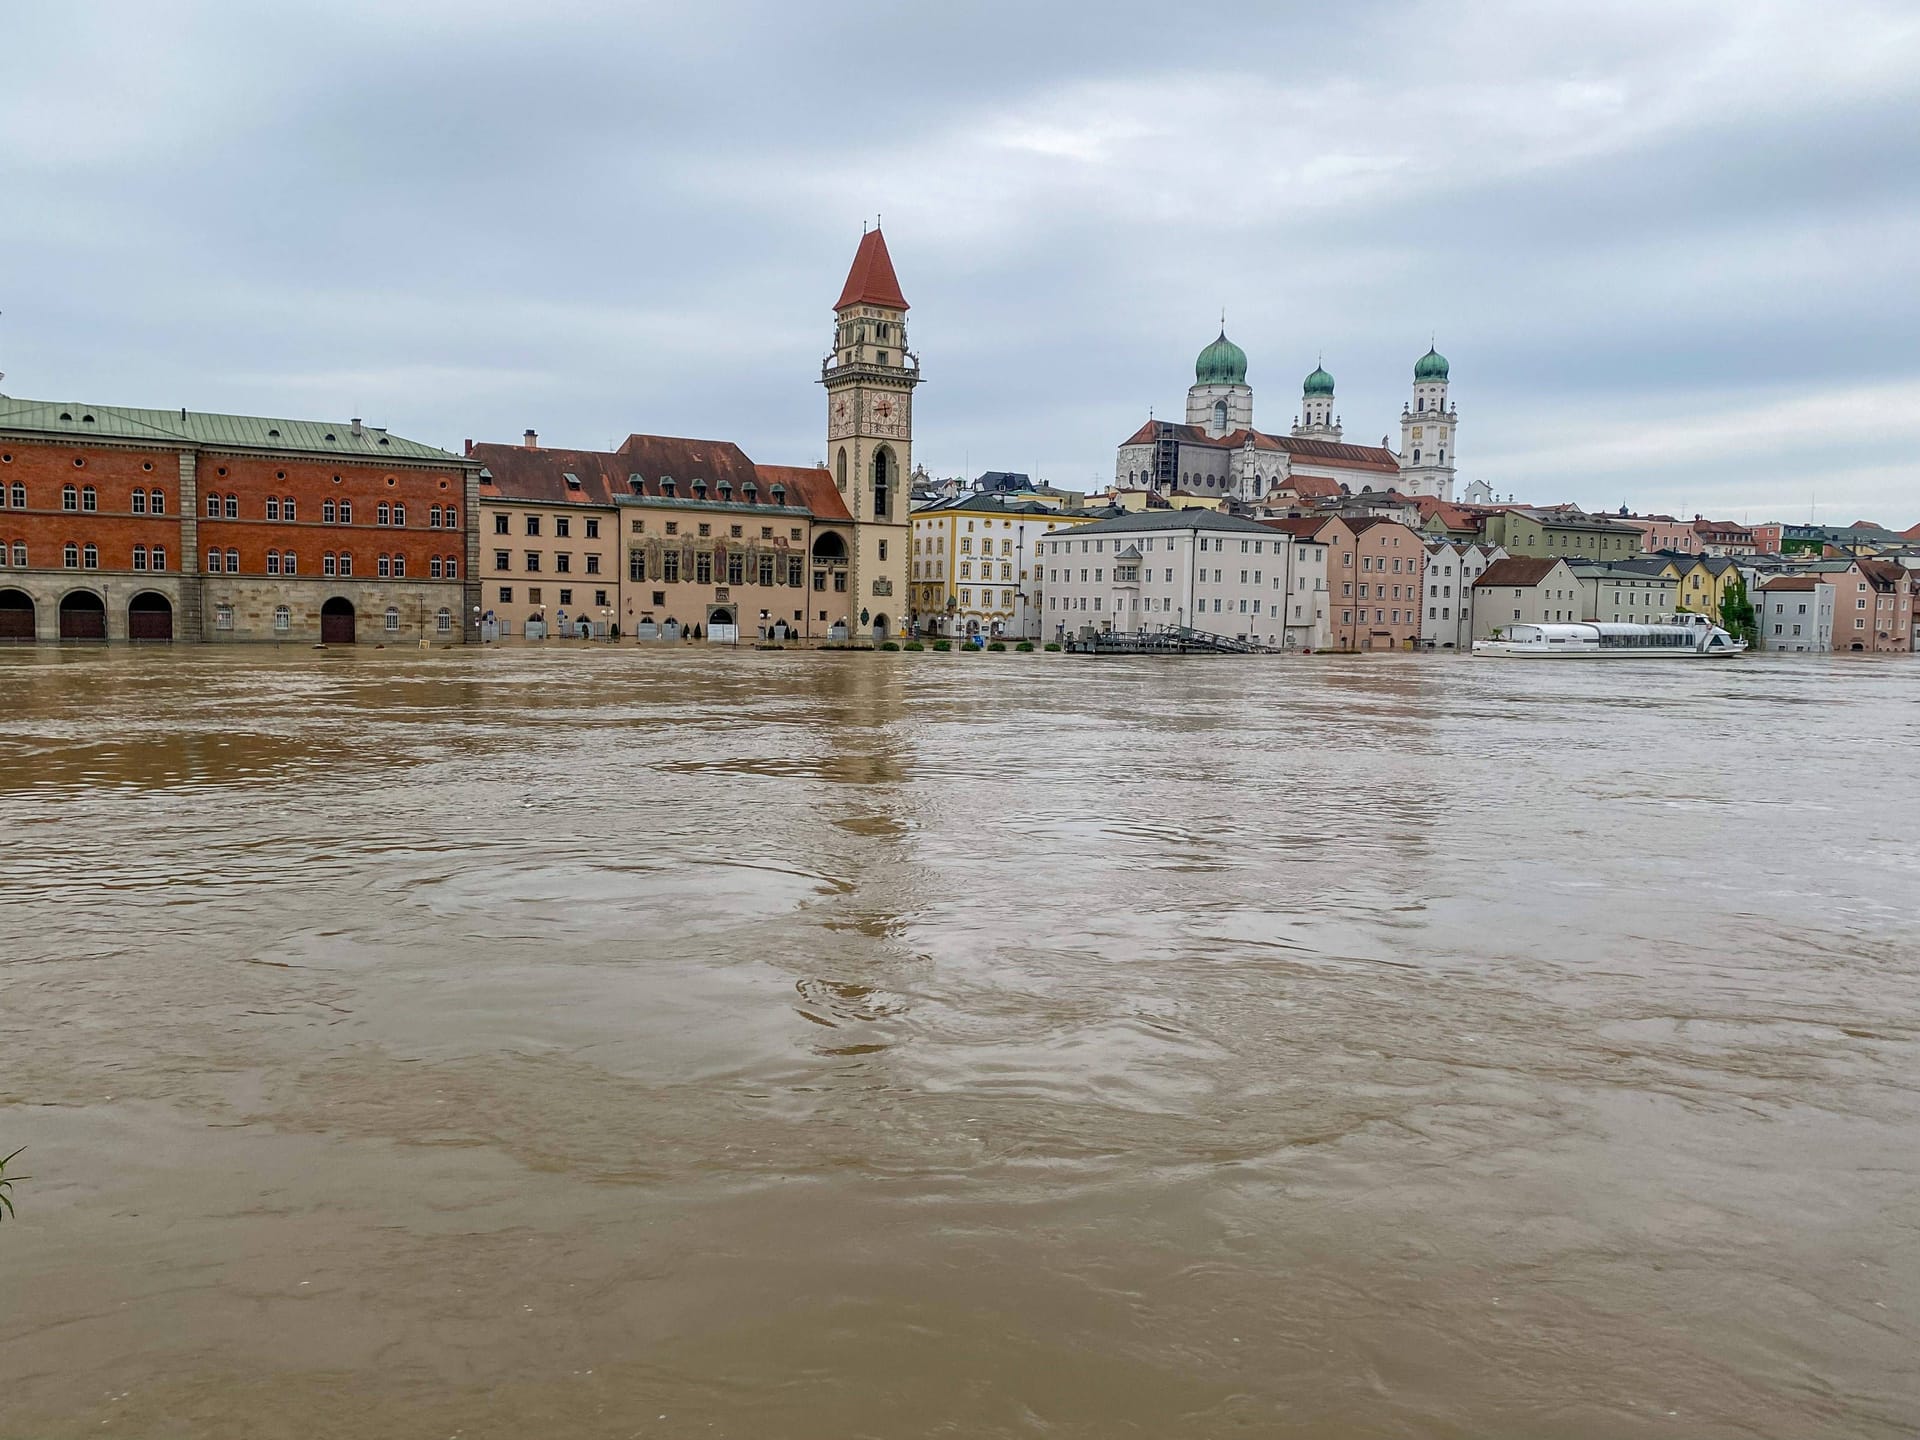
[1220,414]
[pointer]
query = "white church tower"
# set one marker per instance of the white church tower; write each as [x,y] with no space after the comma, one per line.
[1317,420]
[1426,431]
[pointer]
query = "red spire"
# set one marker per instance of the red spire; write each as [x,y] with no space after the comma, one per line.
[871,281]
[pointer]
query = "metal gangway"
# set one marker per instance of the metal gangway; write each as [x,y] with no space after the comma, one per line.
[1166,640]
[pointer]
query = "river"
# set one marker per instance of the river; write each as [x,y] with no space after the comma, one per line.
[603,1044]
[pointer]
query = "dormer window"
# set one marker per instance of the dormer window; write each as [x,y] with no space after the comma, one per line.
[779,494]
[726,489]
[667,486]
[750,491]
[636,484]
[573,481]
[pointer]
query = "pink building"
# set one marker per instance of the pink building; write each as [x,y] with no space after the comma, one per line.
[1723,537]
[1663,532]
[1873,608]
[1766,538]
[1375,576]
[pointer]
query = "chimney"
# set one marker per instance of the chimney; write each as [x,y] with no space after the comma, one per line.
[356,425]
[469,447]
[532,441]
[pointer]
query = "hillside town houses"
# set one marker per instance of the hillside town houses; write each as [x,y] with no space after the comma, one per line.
[172,525]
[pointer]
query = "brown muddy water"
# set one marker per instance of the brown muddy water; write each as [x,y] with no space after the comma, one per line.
[606,1044]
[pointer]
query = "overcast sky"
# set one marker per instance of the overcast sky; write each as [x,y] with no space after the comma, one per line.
[1672,249]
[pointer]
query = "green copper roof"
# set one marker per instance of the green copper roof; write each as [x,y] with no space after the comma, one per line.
[1430,366]
[1221,363]
[1318,383]
[198,428]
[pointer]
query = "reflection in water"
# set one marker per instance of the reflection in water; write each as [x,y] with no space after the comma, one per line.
[813,1045]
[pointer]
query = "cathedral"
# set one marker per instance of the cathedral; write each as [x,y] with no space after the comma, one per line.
[1218,452]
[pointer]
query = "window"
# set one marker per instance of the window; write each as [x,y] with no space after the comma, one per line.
[443,621]
[383,514]
[233,507]
[69,498]
[563,562]
[533,524]
[562,526]
[139,502]
[282,619]
[273,562]
[139,557]
[503,559]
[433,568]
[346,562]
[214,561]
[593,528]
[566,597]
[636,565]
[288,565]
[383,567]
[533,561]
[506,594]
[223,617]
[327,511]
[273,506]
[20,494]
[399,514]
[670,567]
[20,553]
[393,618]
[399,566]
[500,524]
[736,567]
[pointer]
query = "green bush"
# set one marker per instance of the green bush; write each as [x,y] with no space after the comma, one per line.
[913,645]
[996,645]
[1025,647]
[943,645]
[1053,645]
[888,645]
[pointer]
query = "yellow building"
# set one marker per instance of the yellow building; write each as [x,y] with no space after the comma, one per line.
[976,568]
[1703,581]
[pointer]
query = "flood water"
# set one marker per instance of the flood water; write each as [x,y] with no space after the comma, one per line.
[604,1044]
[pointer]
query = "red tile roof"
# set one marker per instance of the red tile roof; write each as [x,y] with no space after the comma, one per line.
[1310,487]
[642,464]
[871,281]
[811,486]
[1795,582]
[1303,527]
[1516,570]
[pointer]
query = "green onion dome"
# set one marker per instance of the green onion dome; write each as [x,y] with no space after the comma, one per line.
[1318,383]
[1430,366]
[1221,363]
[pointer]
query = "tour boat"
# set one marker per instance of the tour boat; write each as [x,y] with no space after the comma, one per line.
[1682,637]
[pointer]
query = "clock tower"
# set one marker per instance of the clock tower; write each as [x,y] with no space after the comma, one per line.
[870,377]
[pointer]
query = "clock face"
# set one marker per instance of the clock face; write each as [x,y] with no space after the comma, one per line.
[840,410]
[883,407]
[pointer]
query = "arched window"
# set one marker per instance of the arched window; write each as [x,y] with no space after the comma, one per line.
[282,619]
[840,469]
[89,498]
[1443,454]
[92,555]
[393,618]
[1420,404]
[70,555]
[443,621]
[884,467]
[69,498]
[1416,454]
[1220,414]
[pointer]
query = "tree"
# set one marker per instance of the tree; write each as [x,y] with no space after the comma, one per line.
[1736,611]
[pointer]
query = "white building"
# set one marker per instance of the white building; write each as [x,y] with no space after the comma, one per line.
[1219,453]
[1197,569]
[1452,567]
[1795,612]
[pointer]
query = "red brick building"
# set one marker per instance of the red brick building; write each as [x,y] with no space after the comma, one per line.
[120,524]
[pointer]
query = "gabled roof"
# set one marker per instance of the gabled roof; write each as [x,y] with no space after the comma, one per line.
[1521,571]
[871,281]
[1795,582]
[209,430]
[1310,487]
[1301,527]
[640,468]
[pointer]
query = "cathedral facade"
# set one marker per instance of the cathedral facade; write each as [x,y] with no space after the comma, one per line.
[1219,453]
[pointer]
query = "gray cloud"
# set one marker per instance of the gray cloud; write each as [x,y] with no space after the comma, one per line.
[1668,247]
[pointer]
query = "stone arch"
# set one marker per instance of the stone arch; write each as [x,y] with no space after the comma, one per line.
[150,616]
[16,616]
[337,621]
[83,615]
[882,626]
[828,545]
